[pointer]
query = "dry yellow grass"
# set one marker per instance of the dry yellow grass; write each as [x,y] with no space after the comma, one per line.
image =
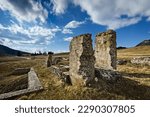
[134,85]
[10,82]
[13,83]
[134,52]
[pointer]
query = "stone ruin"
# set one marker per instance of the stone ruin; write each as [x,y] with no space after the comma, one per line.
[85,64]
[33,83]
[62,71]
[106,56]
[141,61]
[81,60]
[105,50]
[49,60]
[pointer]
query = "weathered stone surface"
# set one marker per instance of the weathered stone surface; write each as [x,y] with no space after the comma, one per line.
[107,75]
[62,73]
[81,60]
[33,85]
[49,60]
[66,78]
[56,60]
[65,68]
[141,60]
[57,71]
[33,81]
[105,50]
[121,62]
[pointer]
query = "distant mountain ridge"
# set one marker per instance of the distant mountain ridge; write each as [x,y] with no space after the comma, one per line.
[144,43]
[6,51]
[121,47]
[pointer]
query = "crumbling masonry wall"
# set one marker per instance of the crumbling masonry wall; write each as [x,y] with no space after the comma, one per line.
[49,60]
[84,65]
[81,60]
[105,50]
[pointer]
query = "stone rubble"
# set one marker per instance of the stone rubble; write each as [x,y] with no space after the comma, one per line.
[141,60]
[62,73]
[107,75]
[121,62]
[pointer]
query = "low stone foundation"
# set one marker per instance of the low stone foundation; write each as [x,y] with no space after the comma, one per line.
[107,75]
[62,72]
[33,85]
[122,62]
[141,60]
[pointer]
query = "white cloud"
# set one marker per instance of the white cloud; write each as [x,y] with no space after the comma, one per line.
[74,24]
[68,39]
[10,42]
[34,38]
[6,41]
[119,23]
[19,45]
[59,6]
[60,51]
[110,12]
[31,31]
[24,10]
[114,14]
[67,31]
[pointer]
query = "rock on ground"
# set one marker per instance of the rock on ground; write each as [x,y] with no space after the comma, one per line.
[107,75]
[141,60]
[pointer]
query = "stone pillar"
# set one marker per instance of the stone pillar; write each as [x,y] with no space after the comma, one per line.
[81,60]
[105,50]
[49,60]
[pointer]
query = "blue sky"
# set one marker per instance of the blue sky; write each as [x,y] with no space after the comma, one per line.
[49,25]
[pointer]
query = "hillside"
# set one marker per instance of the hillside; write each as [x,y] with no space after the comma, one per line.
[120,47]
[144,43]
[134,52]
[5,51]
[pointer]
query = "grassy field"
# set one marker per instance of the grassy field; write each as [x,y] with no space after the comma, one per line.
[134,85]
[140,51]
[13,83]
[8,81]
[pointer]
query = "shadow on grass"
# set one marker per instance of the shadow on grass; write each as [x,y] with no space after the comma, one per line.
[129,89]
[137,75]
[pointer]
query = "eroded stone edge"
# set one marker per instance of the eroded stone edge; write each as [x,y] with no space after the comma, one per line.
[33,85]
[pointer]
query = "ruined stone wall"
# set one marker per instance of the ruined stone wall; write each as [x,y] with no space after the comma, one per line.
[105,50]
[81,60]
[49,60]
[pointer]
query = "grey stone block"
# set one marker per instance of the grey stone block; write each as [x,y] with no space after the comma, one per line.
[107,75]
